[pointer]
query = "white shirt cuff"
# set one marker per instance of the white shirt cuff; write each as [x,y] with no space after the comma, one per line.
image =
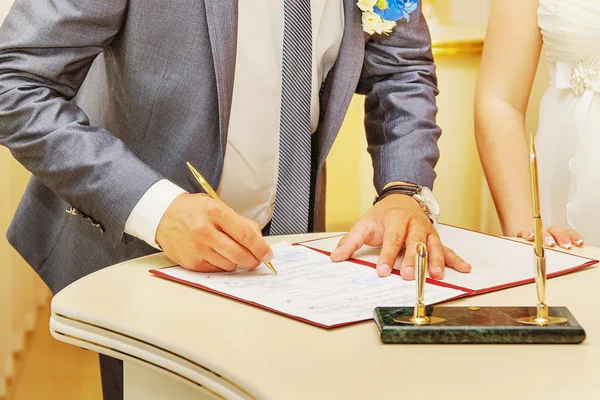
[147,213]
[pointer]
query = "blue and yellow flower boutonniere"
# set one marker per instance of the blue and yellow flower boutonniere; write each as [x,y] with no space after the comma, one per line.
[380,16]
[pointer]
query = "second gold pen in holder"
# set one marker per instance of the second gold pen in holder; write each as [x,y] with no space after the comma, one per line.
[209,191]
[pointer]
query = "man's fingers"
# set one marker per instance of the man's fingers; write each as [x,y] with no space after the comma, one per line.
[211,262]
[350,243]
[219,261]
[201,266]
[234,251]
[394,235]
[436,256]
[454,261]
[202,234]
[255,226]
[417,233]
[246,236]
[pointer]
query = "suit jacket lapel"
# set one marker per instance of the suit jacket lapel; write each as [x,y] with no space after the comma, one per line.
[222,18]
[342,80]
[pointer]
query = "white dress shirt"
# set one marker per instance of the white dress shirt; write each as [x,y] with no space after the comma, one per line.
[250,167]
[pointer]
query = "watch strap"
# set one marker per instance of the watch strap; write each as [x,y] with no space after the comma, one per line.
[408,190]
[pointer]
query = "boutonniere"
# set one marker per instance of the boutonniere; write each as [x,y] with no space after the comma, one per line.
[381,16]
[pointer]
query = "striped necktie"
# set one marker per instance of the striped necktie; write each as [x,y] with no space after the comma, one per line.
[292,198]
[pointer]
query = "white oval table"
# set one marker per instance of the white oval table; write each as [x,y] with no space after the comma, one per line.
[179,342]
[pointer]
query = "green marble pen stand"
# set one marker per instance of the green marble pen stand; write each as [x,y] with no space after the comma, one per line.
[464,325]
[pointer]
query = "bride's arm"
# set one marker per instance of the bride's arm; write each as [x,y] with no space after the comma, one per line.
[511,53]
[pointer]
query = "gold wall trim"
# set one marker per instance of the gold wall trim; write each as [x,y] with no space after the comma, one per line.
[457,48]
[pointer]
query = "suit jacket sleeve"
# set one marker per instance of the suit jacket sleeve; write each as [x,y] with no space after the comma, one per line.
[46,50]
[398,79]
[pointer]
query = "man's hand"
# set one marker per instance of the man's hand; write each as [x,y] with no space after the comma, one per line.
[202,234]
[391,223]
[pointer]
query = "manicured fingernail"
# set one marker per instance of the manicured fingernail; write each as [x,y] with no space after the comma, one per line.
[566,245]
[437,271]
[549,241]
[384,269]
[410,272]
[530,236]
[579,242]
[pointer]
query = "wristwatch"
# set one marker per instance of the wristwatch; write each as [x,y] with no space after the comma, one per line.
[422,194]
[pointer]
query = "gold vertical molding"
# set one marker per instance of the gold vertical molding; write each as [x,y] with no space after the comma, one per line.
[457,48]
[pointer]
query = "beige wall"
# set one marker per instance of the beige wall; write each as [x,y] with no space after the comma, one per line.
[21,290]
[472,12]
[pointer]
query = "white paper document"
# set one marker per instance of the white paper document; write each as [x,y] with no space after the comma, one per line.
[496,262]
[312,288]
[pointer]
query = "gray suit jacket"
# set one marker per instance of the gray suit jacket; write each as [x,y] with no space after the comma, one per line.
[100,99]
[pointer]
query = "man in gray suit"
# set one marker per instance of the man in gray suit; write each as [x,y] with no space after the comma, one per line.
[105,100]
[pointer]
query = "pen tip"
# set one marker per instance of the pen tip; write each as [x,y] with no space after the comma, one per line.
[272,268]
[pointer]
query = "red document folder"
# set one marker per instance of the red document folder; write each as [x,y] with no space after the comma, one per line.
[161,273]
[310,288]
[498,263]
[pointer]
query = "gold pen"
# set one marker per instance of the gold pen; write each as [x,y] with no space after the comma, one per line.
[540,259]
[209,190]
[535,197]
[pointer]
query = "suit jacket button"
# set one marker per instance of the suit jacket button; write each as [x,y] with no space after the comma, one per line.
[72,211]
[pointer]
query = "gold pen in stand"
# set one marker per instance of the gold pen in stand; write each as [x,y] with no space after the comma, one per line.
[535,196]
[209,190]
[540,259]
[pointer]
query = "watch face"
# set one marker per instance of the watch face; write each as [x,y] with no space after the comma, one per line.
[430,201]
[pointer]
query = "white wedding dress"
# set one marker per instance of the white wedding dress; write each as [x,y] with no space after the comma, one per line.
[568,137]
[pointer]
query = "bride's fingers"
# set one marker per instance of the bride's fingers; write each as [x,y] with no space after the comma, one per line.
[527,235]
[566,238]
[575,237]
[562,236]
[548,239]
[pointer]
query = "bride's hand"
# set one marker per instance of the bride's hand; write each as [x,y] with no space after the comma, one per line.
[565,238]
